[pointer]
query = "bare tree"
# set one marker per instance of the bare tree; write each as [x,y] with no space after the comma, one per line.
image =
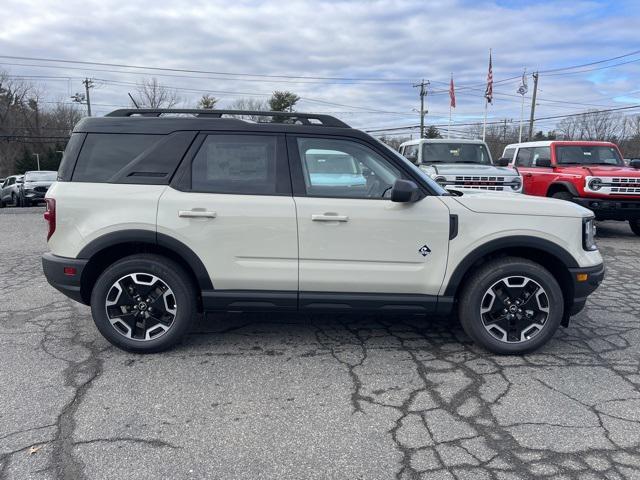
[150,94]
[593,125]
[251,104]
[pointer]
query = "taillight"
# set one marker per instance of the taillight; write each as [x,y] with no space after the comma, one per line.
[50,216]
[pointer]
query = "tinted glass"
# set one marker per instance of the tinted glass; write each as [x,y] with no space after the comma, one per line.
[69,156]
[104,154]
[524,157]
[411,151]
[40,176]
[342,168]
[589,155]
[540,153]
[455,152]
[241,164]
[508,153]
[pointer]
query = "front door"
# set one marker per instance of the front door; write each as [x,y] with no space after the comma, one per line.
[235,211]
[352,237]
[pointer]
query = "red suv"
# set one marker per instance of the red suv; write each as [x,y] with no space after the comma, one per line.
[591,174]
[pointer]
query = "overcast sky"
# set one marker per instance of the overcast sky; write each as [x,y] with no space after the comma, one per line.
[398,42]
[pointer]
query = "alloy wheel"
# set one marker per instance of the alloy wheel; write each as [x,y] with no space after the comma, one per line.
[141,306]
[514,309]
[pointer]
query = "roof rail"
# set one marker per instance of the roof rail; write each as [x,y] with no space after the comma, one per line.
[270,117]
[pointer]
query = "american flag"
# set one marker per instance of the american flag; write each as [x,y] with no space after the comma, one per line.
[488,94]
[452,93]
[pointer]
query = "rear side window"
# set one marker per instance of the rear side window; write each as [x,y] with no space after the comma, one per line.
[540,153]
[411,152]
[240,164]
[104,154]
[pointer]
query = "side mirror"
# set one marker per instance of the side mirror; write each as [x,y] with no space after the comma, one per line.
[503,162]
[404,191]
[412,158]
[20,180]
[543,162]
[635,163]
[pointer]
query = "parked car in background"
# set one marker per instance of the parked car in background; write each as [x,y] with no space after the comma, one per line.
[208,212]
[35,185]
[10,191]
[455,163]
[591,174]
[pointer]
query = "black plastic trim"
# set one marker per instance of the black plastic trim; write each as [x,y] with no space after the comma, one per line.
[378,302]
[249,300]
[611,209]
[151,237]
[453,226]
[53,268]
[503,243]
[571,188]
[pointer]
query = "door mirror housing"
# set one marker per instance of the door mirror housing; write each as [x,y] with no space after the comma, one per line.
[503,162]
[404,191]
[412,158]
[543,162]
[635,163]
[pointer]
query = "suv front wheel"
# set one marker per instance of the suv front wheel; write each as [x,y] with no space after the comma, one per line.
[143,303]
[635,226]
[511,305]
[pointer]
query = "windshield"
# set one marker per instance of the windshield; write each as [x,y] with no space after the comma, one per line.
[432,184]
[587,155]
[455,152]
[40,176]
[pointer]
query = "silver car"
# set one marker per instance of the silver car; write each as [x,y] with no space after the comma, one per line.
[10,190]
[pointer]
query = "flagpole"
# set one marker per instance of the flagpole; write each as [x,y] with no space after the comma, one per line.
[521,115]
[522,90]
[484,123]
[449,129]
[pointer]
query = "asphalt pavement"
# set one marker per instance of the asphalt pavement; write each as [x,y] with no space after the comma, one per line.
[313,397]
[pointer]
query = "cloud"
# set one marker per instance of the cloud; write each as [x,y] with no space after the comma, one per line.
[401,41]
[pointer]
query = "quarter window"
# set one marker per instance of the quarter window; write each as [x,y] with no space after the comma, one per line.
[104,154]
[342,168]
[241,164]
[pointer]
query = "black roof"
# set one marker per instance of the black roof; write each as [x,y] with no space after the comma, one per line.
[164,121]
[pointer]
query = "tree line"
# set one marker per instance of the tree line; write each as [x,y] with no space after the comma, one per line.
[29,125]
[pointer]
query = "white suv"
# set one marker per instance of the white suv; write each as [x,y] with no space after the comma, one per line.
[157,215]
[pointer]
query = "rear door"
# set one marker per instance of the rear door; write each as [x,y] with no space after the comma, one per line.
[233,207]
[352,237]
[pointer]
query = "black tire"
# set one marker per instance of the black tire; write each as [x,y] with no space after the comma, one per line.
[2,204]
[635,226]
[476,289]
[171,275]
[15,200]
[563,195]
[26,202]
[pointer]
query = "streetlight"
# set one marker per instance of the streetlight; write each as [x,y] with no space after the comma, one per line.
[37,155]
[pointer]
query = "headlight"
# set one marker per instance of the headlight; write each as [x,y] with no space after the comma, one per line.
[516,184]
[439,179]
[595,184]
[589,235]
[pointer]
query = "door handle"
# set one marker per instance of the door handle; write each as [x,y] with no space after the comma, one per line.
[329,217]
[196,214]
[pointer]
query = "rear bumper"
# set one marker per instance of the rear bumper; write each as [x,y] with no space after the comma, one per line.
[611,209]
[583,288]
[53,267]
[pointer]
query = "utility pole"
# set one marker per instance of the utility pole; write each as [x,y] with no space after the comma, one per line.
[88,84]
[37,155]
[504,131]
[423,93]
[533,104]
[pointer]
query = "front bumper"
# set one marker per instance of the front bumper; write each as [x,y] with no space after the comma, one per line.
[585,281]
[611,209]
[67,283]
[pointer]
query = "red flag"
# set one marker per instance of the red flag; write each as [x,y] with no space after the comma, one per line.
[488,94]
[452,94]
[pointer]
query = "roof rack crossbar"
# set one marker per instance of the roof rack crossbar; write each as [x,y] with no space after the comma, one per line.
[315,119]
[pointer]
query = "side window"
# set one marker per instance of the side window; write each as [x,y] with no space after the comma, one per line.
[346,169]
[240,164]
[411,152]
[543,153]
[524,157]
[508,153]
[11,181]
[104,154]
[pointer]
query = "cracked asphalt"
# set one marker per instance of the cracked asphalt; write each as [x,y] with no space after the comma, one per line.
[326,397]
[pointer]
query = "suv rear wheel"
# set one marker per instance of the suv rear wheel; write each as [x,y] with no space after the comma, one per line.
[143,303]
[511,306]
[635,226]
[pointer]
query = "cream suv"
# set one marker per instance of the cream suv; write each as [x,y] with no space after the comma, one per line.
[160,214]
